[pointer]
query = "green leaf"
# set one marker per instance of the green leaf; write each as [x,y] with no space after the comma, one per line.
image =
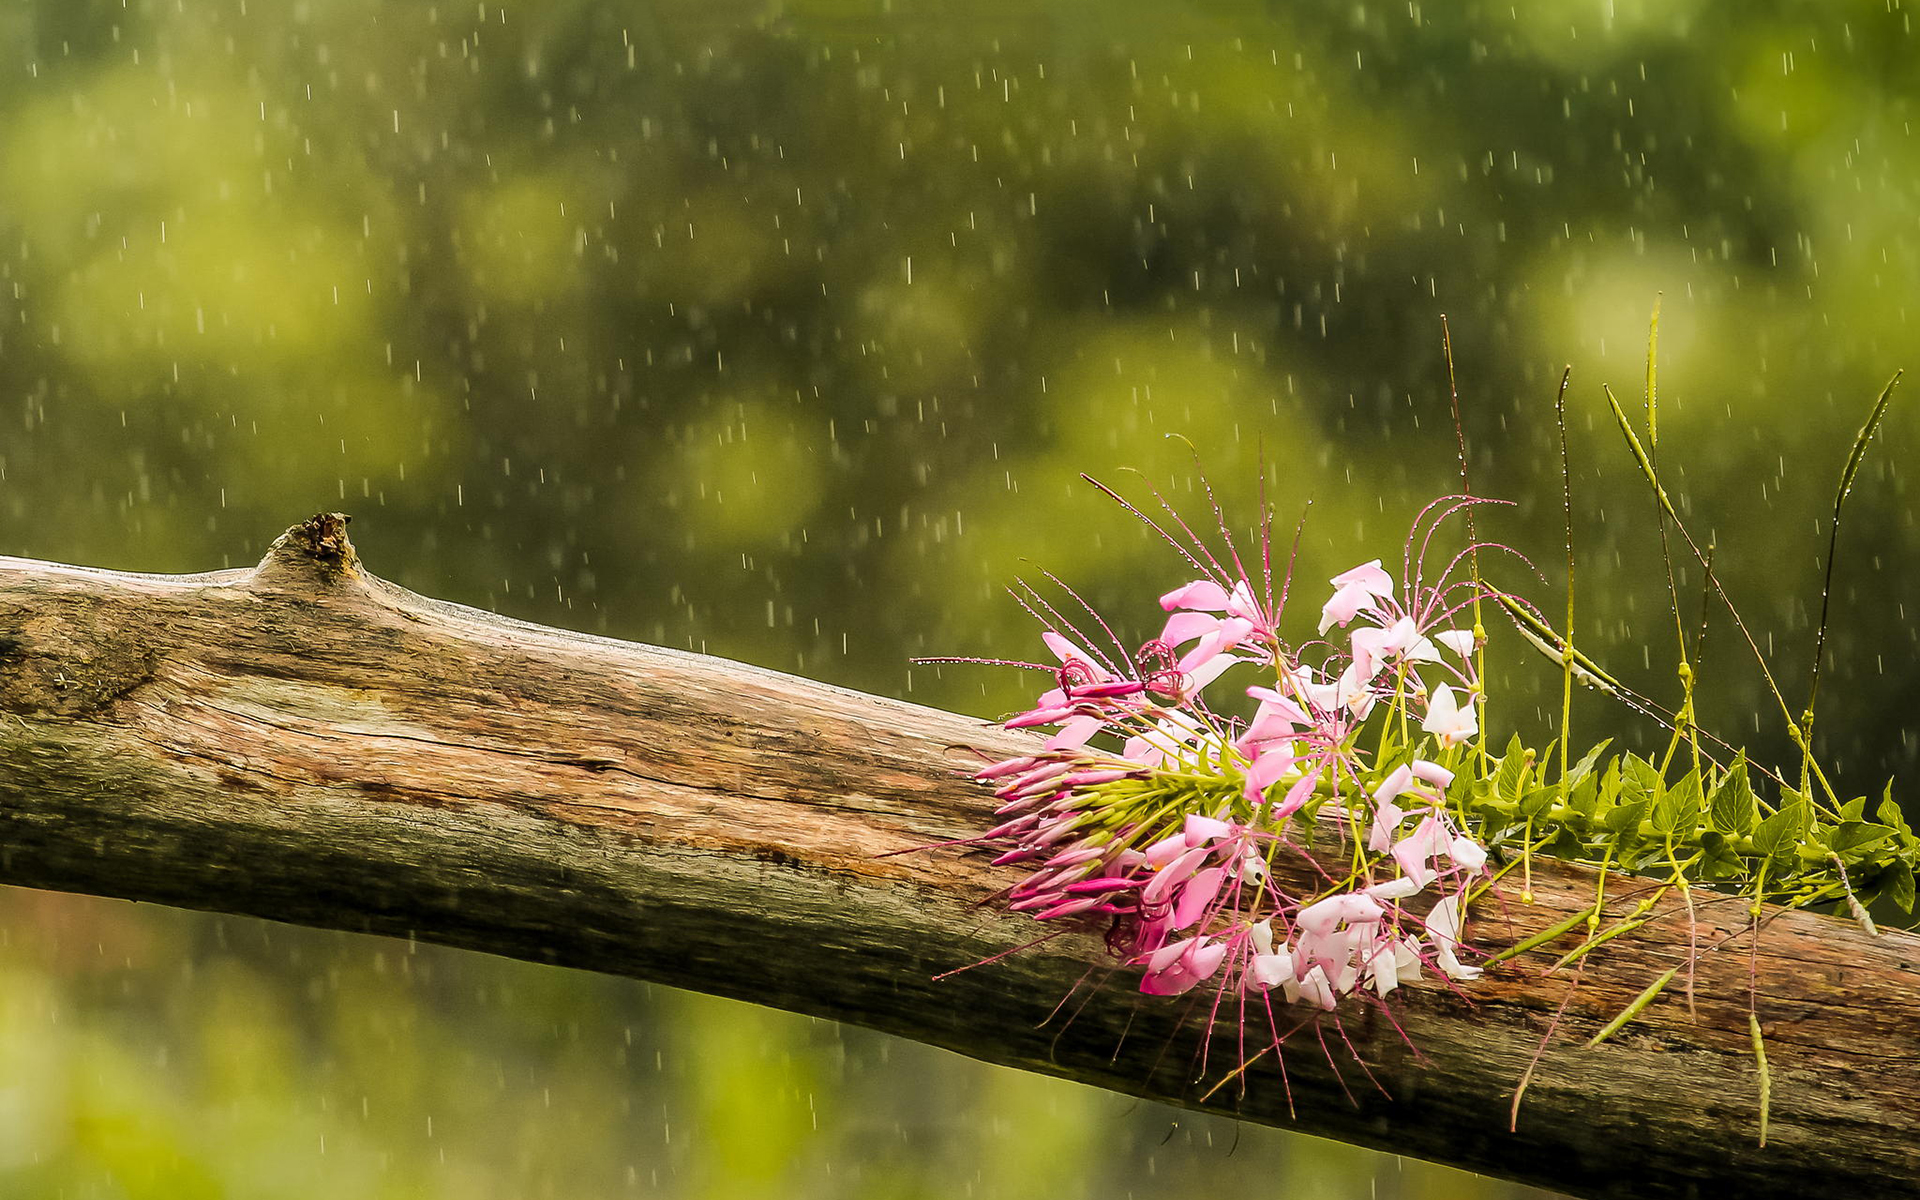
[1584,767]
[1510,780]
[1466,791]
[1732,808]
[1718,860]
[1565,844]
[1538,800]
[1855,837]
[1854,809]
[1781,832]
[1890,813]
[1679,806]
[1639,788]
[1899,887]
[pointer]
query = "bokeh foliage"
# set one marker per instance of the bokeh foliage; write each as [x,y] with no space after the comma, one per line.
[783,330]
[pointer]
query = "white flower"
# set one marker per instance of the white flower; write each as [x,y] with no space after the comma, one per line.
[1449,721]
[1443,926]
[1392,964]
[1460,641]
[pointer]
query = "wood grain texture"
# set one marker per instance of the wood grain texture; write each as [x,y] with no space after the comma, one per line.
[305,742]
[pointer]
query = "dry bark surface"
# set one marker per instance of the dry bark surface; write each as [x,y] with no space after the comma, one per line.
[305,742]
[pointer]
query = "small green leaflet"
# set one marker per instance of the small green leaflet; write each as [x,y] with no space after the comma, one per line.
[1899,887]
[1510,781]
[1679,806]
[1732,808]
[1639,788]
[1584,767]
[1780,833]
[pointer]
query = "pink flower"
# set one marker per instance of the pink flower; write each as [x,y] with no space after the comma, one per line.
[1266,969]
[1355,589]
[1068,653]
[1199,830]
[1374,649]
[1202,594]
[1160,887]
[1198,893]
[1314,988]
[1183,627]
[1208,670]
[1353,691]
[1399,781]
[1223,637]
[1278,708]
[1298,795]
[1241,603]
[1386,822]
[1270,765]
[1386,814]
[1180,966]
[1416,851]
[1166,850]
[1320,917]
[1467,853]
[1074,732]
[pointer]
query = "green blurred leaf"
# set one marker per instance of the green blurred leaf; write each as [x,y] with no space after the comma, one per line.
[1899,887]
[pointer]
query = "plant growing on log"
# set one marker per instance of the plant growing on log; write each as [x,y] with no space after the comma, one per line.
[1152,808]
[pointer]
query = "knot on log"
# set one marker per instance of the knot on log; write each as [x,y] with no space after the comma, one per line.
[314,553]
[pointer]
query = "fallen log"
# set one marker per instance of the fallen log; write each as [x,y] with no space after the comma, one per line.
[305,742]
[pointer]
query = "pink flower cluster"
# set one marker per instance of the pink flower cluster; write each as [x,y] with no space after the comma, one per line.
[1148,809]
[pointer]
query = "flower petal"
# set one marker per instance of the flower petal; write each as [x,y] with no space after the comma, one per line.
[1201,593]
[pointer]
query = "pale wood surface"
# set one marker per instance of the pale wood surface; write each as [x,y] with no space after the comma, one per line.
[305,742]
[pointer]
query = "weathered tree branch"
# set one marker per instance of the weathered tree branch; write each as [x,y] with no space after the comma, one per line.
[305,742]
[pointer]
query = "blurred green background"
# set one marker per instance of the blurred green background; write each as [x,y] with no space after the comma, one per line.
[782,331]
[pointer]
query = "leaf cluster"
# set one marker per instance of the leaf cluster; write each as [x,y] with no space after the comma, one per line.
[1703,826]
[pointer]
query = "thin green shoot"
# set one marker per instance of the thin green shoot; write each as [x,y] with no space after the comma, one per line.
[1566,653]
[1759,657]
[1685,721]
[1847,474]
[1597,940]
[1653,394]
[1633,1010]
[1558,930]
[1473,544]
